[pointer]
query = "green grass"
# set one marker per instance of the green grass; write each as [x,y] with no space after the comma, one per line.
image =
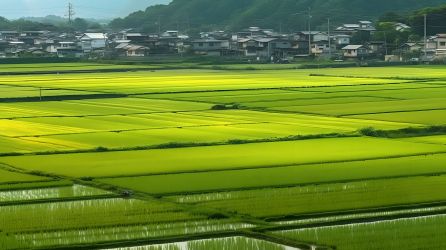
[6,177]
[220,157]
[334,197]
[283,176]
[431,117]
[413,233]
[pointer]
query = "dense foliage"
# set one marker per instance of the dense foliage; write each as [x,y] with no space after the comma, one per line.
[232,14]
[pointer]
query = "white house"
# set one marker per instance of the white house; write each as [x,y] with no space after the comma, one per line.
[441,45]
[92,41]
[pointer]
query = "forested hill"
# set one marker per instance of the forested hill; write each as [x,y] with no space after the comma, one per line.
[275,14]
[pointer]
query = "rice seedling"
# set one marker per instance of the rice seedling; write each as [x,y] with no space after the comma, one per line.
[274,154]
[88,214]
[233,243]
[324,198]
[119,233]
[413,233]
[47,193]
[361,216]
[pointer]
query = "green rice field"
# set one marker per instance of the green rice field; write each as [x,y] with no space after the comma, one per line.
[411,233]
[312,199]
[283,176]
[275,154]
[277,158]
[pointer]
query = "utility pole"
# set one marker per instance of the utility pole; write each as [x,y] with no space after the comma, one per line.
[329,38]
[187,20]
[159,24]
[70,15]
[385,42]
[309,30]
[425,36]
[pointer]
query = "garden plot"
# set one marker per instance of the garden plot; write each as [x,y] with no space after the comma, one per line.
[430,117]
[370,107]
[111,164]
[412,233]
[96,107]
[282,176]
[6,176]
[50,193]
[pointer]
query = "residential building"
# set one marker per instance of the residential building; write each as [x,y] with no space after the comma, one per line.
[441,45]
[342,40]
[93,41]
[356,51]
[138,51]
[210,47]
[402,27]
[377,47]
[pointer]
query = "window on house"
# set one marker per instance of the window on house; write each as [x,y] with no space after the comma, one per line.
[200,44]
[442,43]
[211,44]
[326,46]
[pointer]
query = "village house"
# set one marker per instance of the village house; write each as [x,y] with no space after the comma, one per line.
[137,50]
[356,51]
[210,47]
[377,47]
[92,41]
[441,45]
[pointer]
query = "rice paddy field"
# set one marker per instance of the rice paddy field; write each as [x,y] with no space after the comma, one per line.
[275,158]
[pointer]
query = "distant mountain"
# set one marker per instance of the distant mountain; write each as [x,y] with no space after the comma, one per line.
[57,19]
[275,14]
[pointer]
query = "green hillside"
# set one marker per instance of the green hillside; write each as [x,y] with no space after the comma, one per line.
[275,14]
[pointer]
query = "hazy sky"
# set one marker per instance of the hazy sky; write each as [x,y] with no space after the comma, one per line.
[13,9]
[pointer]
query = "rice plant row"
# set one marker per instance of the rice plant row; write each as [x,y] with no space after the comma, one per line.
[88,214]
[48,193]
[324,198]
[233,243]
[117,233]
[414,233]
[362,216]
